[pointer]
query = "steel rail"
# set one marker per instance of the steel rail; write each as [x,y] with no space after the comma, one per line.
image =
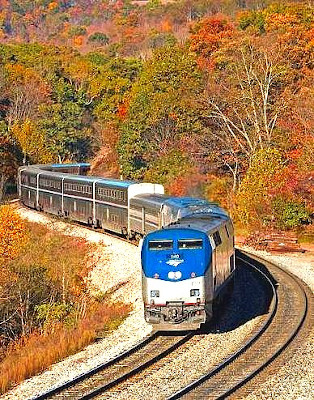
[284,345]
[70,388]
[95,370]
[136,370]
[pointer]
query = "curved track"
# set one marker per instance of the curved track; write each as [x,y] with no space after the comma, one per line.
[288,314]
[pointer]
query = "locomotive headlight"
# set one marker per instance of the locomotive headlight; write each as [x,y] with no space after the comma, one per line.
[154,293]
[171,275]
[175,275]
[194,292]
[156,276]
[193,274]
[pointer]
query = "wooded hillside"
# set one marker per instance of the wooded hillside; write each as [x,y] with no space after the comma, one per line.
[210,98]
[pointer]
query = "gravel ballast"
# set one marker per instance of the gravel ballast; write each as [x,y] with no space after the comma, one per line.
[294,380]
[117,265]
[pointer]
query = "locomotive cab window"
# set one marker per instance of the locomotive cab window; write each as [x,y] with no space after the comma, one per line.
[160,244]
[190,244]
[217,238]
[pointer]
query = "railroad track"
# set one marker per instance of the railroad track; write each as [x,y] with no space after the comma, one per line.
[110,374]
[290,310]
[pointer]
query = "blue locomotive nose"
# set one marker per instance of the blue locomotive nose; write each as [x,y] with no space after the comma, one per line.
[175,254]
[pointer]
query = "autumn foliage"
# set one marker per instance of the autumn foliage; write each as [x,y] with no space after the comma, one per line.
[46,309]
[13,236]
[34,353]
[209,35]
[163,91]
[209,98]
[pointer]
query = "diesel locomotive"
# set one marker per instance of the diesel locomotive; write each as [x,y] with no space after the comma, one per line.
[187,268]
[187,253]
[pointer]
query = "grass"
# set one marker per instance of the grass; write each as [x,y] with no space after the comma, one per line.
[34,353]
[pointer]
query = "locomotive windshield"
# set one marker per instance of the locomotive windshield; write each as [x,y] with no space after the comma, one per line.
[190,244]
[160,244]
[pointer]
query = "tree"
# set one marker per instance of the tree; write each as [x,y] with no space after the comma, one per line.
[32,142]
[208,35]
[263,179]
[244,105]
[9,158]
[67,122]
[163,107]
[12,234]
[27,90]
[109,89]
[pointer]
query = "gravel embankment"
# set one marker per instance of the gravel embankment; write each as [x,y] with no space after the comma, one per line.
[117,264]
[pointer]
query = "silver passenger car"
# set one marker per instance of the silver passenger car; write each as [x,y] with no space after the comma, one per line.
[96,201]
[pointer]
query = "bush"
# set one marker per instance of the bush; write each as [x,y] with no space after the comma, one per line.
[12,233]
[99,38]
[50,314]
[50,269]
[46,310]
[290,214]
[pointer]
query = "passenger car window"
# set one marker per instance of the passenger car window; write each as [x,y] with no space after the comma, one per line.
[217,238]
[190,244]
[160,244]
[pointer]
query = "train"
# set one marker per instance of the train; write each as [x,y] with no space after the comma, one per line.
[187,244]
[187,269]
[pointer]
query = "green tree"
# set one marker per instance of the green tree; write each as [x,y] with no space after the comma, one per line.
[113,79]
[10,158]
[163,107]
[77,31]
[290,213]
[67,123]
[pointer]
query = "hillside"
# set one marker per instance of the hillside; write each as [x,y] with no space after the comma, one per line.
[209,98]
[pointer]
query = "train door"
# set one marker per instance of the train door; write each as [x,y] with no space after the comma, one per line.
[218,259]
[214,266]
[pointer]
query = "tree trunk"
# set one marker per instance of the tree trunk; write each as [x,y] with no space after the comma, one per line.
[2,186]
